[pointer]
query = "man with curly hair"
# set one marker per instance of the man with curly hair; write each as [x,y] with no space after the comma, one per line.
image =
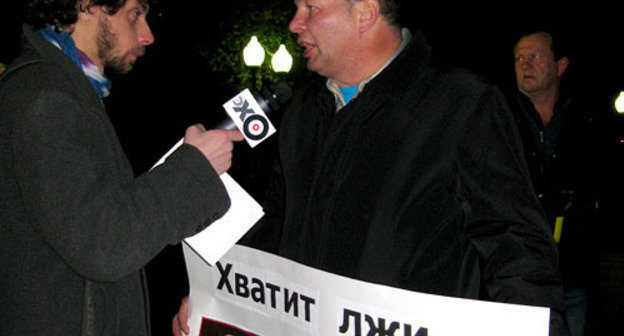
[77,227]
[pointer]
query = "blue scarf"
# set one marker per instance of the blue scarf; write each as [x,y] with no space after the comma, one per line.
[63,41]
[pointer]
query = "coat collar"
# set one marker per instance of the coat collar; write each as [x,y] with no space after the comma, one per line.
[395,79]
[36,49]
[405,68]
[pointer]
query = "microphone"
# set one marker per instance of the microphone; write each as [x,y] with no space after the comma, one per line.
[270,99]
[244,105]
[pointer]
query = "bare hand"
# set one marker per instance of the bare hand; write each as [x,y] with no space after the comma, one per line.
[216,145]
[180,320]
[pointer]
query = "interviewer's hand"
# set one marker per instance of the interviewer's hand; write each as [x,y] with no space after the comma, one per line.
[180,320]
[216,145]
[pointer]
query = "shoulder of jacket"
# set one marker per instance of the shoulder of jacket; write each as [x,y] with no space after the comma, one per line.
[464,79]
[35,73]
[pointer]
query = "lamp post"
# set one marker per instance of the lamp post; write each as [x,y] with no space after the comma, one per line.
[619,103]
[254,53]
[281,61]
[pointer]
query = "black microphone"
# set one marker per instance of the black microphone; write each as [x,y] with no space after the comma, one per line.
[270,99]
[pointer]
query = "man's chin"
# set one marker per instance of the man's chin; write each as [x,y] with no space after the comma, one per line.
[314,66]
[120,68]
[528,87]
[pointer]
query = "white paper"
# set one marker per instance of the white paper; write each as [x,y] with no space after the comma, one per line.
[215,240]
[162,159]
[253,292]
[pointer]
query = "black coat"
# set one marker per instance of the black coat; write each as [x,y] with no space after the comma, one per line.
[566,178]
[417,183]
[77,227]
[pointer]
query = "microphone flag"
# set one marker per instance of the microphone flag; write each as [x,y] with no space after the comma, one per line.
[249,118]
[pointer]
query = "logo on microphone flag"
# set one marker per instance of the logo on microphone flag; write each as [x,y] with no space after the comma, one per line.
[249,118]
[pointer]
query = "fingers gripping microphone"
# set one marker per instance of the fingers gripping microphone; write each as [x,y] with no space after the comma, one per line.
[248,112]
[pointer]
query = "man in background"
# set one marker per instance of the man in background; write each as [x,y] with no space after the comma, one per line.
[77,227]
[397,172]
[561,150]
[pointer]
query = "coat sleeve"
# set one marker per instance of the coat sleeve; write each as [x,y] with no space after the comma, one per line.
[81,196]
[503,220]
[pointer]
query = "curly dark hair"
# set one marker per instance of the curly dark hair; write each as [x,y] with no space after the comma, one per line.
[60,13]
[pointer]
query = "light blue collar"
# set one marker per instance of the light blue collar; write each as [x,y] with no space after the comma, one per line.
[348,92]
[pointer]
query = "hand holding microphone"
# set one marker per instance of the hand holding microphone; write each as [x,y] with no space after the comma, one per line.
[250,112]
[269,100]
[216,145]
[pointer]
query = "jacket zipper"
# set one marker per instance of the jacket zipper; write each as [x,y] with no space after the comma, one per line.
[88,314]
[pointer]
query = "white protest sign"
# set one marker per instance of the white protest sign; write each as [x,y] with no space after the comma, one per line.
[249,292]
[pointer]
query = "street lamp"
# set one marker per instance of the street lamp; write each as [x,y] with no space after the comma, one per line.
[619,103]
[281,61]
[253,54]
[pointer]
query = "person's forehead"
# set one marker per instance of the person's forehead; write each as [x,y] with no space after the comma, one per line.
[533,42]
[299,2]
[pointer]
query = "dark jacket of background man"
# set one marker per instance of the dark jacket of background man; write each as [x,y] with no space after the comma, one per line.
[565,180]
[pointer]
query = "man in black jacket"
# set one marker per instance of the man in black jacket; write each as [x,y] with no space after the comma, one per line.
[396,172]
[77,227]
[561,150]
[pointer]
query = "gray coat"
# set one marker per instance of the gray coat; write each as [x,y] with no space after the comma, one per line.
[76,226]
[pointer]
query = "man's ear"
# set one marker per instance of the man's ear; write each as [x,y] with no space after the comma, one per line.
[86,22]
[84,6]
[562,65]
[369,12]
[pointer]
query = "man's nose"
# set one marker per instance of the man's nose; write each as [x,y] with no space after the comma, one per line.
[523,64]
[526,64]
[145,35]
[296,25]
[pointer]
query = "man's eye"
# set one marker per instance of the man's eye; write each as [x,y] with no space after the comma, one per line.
[136,14]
